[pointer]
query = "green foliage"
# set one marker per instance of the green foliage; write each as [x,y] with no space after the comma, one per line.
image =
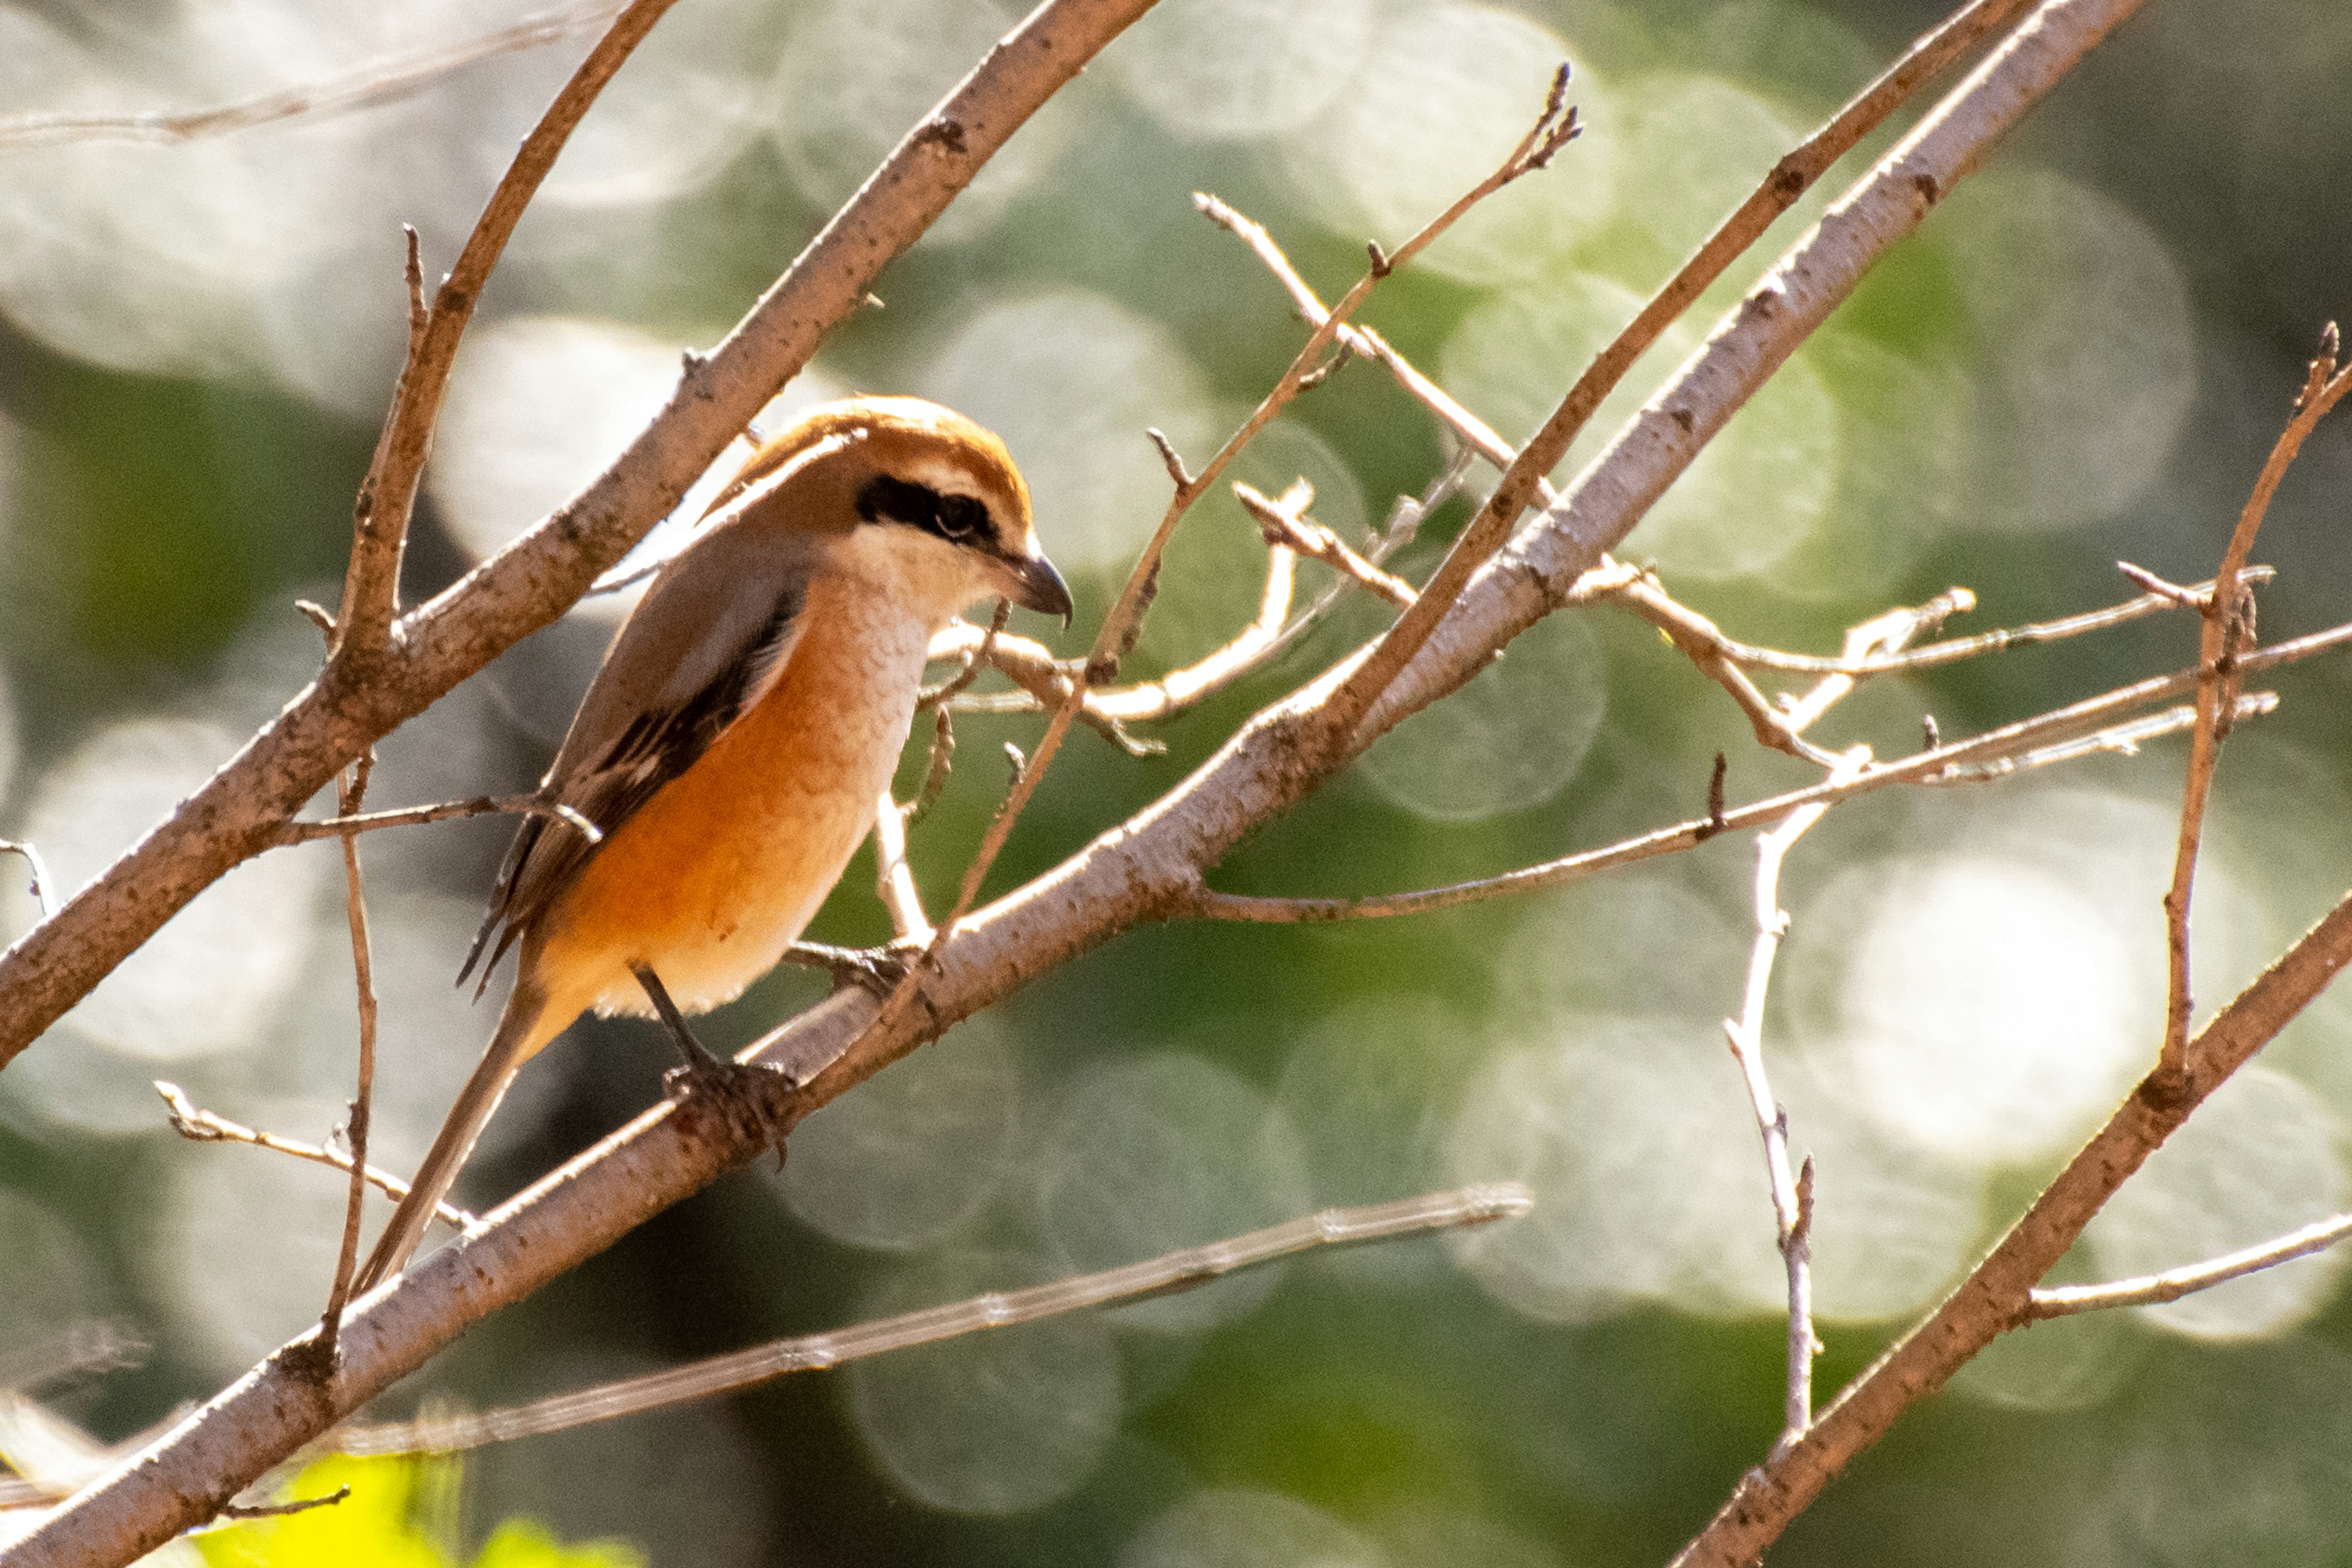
[382,1524]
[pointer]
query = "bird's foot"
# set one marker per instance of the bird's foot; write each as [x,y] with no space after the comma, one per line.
[878,969]
[746,1090]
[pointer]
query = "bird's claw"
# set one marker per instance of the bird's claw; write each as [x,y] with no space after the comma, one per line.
[746,1090]
[879,970]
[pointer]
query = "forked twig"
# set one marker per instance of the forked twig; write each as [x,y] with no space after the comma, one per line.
[204,1127]
[2226,629]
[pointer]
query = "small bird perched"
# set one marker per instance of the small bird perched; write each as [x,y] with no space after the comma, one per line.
[734,744]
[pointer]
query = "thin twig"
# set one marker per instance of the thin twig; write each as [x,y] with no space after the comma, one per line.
[532,804]
[894,878]
[205,1127]
[1998,1295]
[2172,1284]
[2226,627]
[37,871]
[387,495]
[348,797]
[384,80]
[2079,729]
[1045,681]
[1175,1271]
[1286,525]
[280,1510]
[1791,1192]
[1793,175]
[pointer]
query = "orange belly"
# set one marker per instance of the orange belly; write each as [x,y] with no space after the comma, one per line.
[723,868]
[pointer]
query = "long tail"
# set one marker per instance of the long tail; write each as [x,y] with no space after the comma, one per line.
[525,1026]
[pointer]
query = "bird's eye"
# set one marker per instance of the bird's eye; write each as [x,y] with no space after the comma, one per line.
[960,517]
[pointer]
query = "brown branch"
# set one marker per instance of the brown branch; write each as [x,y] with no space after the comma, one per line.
[388,495]
[1185,1269]
[2172,1284]
[378,81]
[1795,174]
[532,804]
[1552,130]
[1143,869]
[1792,1193]
[204,1127]
[2227,625]
[1998,1294]
[348,797]
[241,809]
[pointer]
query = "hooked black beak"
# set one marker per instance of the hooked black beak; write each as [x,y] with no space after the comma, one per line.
[1039,588]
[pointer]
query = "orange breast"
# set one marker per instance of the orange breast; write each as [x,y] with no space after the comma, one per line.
[722,870]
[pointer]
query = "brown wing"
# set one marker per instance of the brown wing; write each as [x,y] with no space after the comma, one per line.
[696,651]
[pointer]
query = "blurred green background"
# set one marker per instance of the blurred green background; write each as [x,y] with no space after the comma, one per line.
[2081,357]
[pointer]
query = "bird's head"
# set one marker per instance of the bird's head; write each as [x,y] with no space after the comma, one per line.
[916,486]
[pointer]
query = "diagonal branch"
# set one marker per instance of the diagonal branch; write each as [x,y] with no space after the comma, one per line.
[2155,1290]
[1794,174]
[388,495]
[1998,1295]
[365,85]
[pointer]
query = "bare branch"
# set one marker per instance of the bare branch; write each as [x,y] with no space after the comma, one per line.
[351,792]
[205,1127]
[1286,526]
[1998,1294]
[1791,178]
[1792,1195]
[2155,1290]
[387,80]
[388,495]
[2064,734]
[1045,681]
[532,804]
[1137,871]
[2227,629]
[1182,1270]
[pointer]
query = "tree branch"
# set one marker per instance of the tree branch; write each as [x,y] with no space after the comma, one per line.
[1998,1295]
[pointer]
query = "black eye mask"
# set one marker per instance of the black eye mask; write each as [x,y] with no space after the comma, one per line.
[958,520]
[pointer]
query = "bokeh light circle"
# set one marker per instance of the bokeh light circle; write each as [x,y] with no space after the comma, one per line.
[1509,740]
[916,1151]
[1178,64]
[1155,1153]
[997,1423]
[1446,90]
[1071,381]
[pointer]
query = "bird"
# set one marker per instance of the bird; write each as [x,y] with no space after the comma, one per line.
[731,750]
